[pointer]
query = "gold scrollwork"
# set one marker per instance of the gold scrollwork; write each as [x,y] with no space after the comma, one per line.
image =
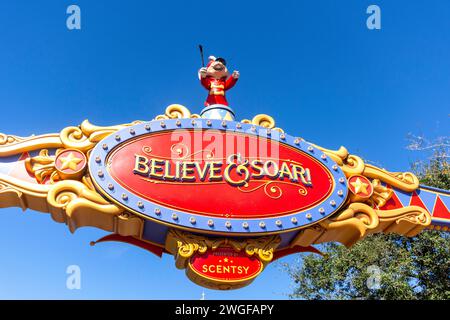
[42,167]
[11,145]
[8,139]
[263,120]
[77,205]
[359,220]
[87,135]
[263,247]
[354,165]
[184,245]
[177,111]
[405,181]
[381,194]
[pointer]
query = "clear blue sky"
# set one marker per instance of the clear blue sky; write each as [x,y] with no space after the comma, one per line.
[313,65]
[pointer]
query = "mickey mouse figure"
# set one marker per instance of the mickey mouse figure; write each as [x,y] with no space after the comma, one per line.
[217,80]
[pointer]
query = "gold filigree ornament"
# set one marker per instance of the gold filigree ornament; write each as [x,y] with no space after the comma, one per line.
[360,217]
[75,204]
[359,220]
[184,245]
[177,111]
[43,167]
[68,200]
[264,121]
[87,135]
[73,199]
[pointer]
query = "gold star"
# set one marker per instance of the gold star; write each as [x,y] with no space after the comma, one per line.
[226,259]
[360,187]
[70,162]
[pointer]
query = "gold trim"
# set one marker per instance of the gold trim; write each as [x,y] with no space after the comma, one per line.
[87,135]
[360,220]
[263,120]
[43,167]
[217,284]
[286,213]
[184,245]
[176,111]
[16,145]
[75,204]
[69,201]
[78,204]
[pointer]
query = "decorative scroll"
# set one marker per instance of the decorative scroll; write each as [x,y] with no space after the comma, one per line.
[184,245]
[11,145]
[381,194]
[360,220]
[74,202]
[177,111]
[9,139]
[354,165]
[362,216]
[264,121]
[43,167]
[263,247]
[87,135]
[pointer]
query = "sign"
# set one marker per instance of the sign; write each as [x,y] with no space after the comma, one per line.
[218,176]
[224,268]
[225,198]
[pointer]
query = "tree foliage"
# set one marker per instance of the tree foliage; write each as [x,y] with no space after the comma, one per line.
[410,268]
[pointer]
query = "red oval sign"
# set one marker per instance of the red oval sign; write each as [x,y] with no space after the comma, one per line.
[225,265]
[218,173]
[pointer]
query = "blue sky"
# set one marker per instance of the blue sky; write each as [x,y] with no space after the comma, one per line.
[313,65]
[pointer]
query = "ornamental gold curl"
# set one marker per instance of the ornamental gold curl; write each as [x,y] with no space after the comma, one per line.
[405,181]
[359,220]
[87,135]
[65,191]
[184,245]
[177,111]
[407,220]
[42,167]
[263,247]
[338,156]
[73,137]
[354,165]
[74,203]
[263,120]
[8,139]
[381,194]
[349,225]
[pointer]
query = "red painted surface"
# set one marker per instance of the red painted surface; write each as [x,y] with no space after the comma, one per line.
[416,201]
[75,153]
[440,210]
[363,180]
[392,203]
[263,197]
[225,264]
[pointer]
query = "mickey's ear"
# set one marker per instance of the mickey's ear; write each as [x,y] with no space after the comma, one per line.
[212,58]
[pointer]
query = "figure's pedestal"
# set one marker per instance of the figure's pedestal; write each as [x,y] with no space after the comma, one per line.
[218,111]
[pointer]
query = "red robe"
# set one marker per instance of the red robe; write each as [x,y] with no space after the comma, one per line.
[217,88]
